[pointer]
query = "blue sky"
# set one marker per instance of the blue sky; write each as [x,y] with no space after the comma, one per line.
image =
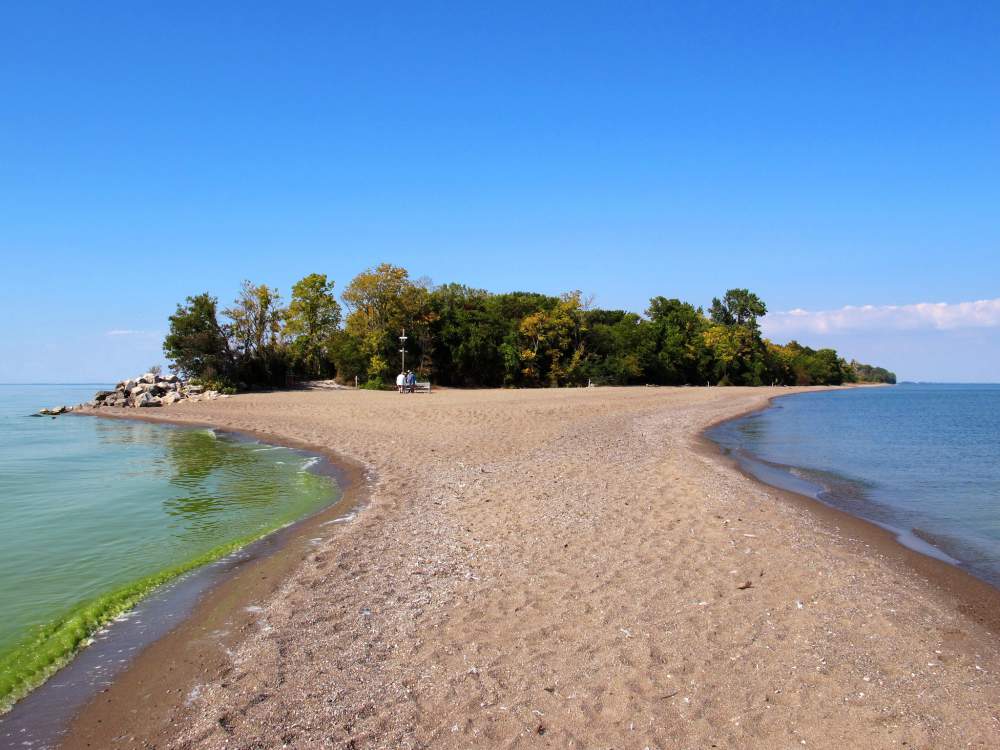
[822,154]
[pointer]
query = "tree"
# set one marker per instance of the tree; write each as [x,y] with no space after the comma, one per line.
[256,317]
[255,331]
[780,363]
[869,374]
[552,343]
[470,337]
[739,353]
[468,333]
[196,344]
[311,321]
[345,353]
[680,352]
[725,342]
[381,302]
[824,367]
[739,307]
[618,347]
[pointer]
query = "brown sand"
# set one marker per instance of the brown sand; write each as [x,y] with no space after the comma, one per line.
[561,569]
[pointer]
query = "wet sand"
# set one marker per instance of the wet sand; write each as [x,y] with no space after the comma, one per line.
[573,568]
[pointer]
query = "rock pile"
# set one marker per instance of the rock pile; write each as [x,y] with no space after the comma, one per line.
[146,390]
[151,390]
[54,410]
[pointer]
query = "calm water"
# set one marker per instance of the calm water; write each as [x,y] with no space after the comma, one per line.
[89,506]
[922,460]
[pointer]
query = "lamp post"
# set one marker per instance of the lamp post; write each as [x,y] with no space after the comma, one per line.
[402,350]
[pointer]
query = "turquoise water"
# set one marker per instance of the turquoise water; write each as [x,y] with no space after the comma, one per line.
[920,459]
[92,506]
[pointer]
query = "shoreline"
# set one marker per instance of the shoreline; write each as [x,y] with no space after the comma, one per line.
[224,611]
[971,595]
[152,683]
[47,712]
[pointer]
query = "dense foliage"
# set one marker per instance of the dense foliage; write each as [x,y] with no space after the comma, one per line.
[469,337]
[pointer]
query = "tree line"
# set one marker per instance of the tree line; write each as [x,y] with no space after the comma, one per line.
[466,337]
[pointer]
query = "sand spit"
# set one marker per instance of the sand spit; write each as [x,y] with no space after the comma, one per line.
[568,569]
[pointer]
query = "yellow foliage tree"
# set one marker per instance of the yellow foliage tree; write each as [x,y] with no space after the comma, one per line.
[552,347]
[381,302]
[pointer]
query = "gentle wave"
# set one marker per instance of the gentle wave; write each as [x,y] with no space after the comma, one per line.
[920,460]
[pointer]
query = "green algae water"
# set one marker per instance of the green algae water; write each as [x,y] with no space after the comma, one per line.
[96,513]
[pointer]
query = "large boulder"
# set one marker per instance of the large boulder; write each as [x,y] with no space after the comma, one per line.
[148,378]
[194,389]
[172,397]
[171,378]
[145,399]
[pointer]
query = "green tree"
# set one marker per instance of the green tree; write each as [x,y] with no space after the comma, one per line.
[738,351]
[678,330]
[256,317]
[311,322]
[468,334]
[347,356]
[510,309]
[381,303]
[870,374]
[196,343]
[619,348]
[255,333]
[824,367]
[738,307]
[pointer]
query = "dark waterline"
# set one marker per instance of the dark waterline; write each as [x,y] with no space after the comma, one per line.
[920,460]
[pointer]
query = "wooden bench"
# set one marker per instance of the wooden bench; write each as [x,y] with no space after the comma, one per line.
[419,387]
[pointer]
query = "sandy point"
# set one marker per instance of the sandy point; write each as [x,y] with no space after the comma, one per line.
[561,568]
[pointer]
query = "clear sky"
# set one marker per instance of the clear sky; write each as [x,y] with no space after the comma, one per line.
[822,154]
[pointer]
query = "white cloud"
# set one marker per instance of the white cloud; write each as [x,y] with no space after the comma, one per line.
[939,316]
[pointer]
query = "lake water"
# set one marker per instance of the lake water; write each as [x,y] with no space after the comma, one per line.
[920,459]
[95,513]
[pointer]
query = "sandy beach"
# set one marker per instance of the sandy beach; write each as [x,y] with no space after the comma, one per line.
[559,568]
